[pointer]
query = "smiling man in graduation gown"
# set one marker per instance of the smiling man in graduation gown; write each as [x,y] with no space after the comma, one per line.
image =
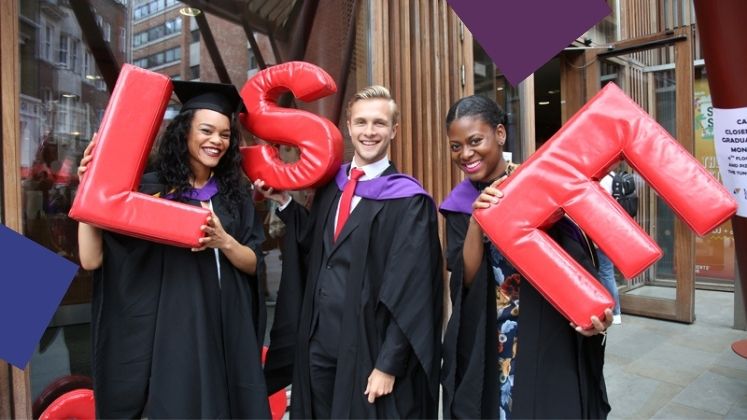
[357,326]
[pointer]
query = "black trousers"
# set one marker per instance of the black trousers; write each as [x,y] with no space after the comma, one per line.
[323,367]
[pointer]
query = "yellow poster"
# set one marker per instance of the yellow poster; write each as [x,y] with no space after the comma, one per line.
[714,253]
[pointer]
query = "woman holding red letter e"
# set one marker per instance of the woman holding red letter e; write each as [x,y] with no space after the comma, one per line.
[499,363]
[176,332]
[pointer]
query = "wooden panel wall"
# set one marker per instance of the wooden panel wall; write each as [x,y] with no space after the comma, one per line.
[14,383]
[423,54]
[638,18]
[675,13]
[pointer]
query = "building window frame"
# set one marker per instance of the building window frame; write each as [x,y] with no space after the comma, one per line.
[152,8]
[74,54]
[86,67]
[123,40]
[169,29]
[47,42]
[160,58]
[63,49]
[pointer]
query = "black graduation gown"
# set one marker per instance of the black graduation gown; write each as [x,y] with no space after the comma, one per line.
[558,371]
[168,340]
[395,276]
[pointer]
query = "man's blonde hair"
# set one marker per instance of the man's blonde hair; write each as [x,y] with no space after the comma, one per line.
[374,92]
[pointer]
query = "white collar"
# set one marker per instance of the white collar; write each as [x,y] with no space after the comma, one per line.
[372,170]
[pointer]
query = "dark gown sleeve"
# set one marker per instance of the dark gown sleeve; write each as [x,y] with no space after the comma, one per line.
[124,305]
[392,357]
[299,225]
[456,230]
[243,307]
[411,287]
[559,372]
[590,349]
[250,232]
[470,380]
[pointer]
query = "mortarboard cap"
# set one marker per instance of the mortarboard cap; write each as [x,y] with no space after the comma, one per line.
[219,97]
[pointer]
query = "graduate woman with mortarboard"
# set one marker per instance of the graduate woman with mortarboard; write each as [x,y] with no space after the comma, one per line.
[177,332]
[500,361]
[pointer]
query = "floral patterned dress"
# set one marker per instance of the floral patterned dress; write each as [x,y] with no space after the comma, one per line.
[507,281]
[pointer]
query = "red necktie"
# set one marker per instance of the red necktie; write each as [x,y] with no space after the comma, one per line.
[347,199]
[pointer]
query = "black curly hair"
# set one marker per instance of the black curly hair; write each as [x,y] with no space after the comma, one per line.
[172,162]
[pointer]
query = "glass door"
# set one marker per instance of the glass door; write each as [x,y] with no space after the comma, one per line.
[657,72]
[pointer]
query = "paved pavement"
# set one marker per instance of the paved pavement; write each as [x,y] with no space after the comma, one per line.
[662,369]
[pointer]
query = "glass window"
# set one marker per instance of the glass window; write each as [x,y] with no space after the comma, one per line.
[714,253]
[490,83]
[140,38]
[507,97]
[152,7]
[47,50]
[547,111]
[122,40]
[650,78]
[74,48]
[170,27]
[157,59]
[86,66]
[607,30]
[610,25]
[62,50]
[61,107]
[484,72]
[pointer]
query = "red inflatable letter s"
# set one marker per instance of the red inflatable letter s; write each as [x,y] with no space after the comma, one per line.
[318,139]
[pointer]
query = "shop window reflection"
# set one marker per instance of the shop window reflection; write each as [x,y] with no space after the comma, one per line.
[62,100]
[715,253]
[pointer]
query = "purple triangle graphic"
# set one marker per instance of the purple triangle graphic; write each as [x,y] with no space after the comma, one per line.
[33,282]
[522,35]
